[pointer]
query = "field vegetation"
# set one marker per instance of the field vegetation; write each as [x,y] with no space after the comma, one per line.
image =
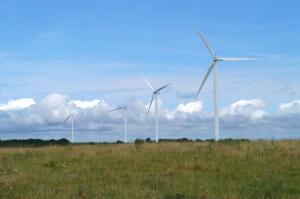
[167,170]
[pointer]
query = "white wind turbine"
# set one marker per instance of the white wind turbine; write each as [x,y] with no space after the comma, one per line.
[71,117]
[155,94]
[125,115]
[125,120]
[213,66]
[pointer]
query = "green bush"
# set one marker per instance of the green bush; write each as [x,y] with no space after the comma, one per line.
[138,143]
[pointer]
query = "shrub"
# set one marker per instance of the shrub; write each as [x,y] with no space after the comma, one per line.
[138,143]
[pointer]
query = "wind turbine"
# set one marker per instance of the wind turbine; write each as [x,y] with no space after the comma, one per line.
[125,120]
[155,94]
[126,111]
[71,117]
[213,66]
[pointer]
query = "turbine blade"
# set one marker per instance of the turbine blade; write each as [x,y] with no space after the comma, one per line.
[206,44]
[162,88]
[116,109]
[205,77]
[67,118]
[233,59]
[148,83]
[150,104]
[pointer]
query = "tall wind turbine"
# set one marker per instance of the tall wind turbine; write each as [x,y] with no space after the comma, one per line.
[155,94]
[71,117]
[213,66]
[125,120]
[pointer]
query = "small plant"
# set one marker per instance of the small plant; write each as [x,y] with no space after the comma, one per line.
[138,143]
[51,164]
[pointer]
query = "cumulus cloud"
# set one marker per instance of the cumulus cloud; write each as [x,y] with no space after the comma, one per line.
[48,114]
[252,109]
[190,107]
[17,104]
[85,104]
[52,109]
[185,109]
[290,107]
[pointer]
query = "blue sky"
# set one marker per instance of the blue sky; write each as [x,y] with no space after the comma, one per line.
[98,50]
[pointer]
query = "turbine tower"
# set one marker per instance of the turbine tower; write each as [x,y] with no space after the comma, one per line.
[155,94]
[213,66]
[71,116]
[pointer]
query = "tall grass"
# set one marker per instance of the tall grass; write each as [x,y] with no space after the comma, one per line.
[190,170]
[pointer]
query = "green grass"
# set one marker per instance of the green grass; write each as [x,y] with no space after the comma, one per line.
[190,170]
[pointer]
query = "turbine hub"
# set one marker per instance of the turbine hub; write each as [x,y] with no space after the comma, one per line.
[217,59]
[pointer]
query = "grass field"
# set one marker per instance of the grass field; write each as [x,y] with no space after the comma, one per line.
[259,169]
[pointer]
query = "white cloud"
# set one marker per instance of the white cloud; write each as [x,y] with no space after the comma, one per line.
[85,104]
[185,109]
[252,109]
[54,100]
[49,113]
[290,107]
[53,108]
[17,104]
[190,107]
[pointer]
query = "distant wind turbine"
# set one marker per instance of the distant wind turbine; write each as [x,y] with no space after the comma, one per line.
[71,117]
[213,66]
[155,94]
[125,120]
[125,115]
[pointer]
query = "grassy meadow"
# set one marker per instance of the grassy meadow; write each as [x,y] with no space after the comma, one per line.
[258,169]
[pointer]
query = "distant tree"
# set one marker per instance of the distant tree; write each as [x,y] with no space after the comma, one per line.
[32,142]
[233,141]
[138,143]
[183,140]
